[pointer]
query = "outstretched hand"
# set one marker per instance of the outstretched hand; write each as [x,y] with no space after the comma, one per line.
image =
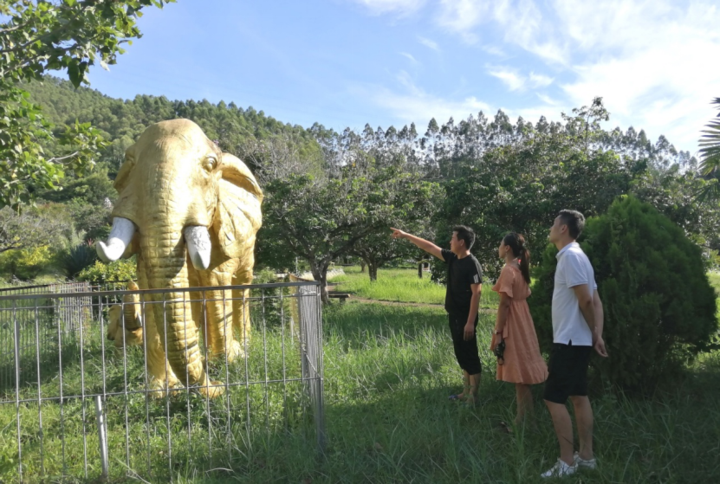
[398,234]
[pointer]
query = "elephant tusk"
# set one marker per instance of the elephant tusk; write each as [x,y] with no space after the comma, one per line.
[198,243]
[120,236]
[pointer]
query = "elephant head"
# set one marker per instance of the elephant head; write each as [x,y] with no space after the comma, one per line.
[191,213]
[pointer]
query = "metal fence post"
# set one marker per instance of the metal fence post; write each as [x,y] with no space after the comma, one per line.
[16,330]
[102,436]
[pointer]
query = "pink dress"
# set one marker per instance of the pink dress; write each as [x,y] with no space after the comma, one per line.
[523,361]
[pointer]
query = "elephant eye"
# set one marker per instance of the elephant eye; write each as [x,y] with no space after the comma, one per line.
[210,163]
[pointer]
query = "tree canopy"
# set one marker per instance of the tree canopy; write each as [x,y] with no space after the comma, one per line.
[39,37]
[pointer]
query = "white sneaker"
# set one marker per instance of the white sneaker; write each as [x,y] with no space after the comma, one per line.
[585,464]
[560,469]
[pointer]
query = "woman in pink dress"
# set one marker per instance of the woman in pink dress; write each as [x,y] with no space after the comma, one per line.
[521,363]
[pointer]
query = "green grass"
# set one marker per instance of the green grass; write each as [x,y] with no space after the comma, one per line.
[401,285]
[388,372]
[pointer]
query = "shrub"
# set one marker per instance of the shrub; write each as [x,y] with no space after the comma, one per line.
[122,270]
[76,259]
[660,309]
[26,264]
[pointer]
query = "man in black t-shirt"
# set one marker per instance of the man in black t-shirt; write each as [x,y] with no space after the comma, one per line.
[462,301]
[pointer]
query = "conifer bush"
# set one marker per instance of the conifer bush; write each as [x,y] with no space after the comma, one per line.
[660,309]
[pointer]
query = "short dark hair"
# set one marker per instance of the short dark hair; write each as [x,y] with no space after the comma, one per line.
[465,234]
[574,220]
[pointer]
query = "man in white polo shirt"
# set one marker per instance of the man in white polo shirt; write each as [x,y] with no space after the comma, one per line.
[577,319]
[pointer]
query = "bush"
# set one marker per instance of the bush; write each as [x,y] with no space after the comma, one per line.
[77,259]
[122,270]
[660,309]
[26,264]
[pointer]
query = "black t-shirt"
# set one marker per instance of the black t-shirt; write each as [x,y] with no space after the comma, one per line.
[461,274]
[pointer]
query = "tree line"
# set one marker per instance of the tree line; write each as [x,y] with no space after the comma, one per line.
[331,195]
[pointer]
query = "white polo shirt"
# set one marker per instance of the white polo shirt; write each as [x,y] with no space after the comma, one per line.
[573,269]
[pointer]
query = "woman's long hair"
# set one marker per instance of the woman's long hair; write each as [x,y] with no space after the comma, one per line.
[516,242]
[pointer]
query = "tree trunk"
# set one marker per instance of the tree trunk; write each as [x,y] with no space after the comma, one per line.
[372,270]
[362,267]
[420,270]
[319,272]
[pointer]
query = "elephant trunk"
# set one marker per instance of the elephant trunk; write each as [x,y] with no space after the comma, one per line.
[167,268]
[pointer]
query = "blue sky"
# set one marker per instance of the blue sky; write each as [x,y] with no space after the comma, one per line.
[391,62]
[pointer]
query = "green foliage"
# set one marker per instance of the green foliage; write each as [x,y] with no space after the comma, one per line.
[710,155]
[39,37]
[77,259]
[273,304]
[520,186]
[323,219]
[660,310]
[31,228]
[26,264]
[122,270]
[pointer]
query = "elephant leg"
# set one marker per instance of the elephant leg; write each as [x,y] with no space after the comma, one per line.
[241,307]
[241,317]
[114,318]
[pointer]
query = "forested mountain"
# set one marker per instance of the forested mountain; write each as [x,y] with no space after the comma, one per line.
[121,121]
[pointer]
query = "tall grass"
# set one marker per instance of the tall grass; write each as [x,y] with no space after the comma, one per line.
[402,285]
[388,373]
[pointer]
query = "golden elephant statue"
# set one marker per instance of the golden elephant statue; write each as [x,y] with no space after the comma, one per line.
[190,213]
[126,318]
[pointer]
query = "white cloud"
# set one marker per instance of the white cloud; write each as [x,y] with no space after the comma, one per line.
[494,50]
[461,16]
[520,22]
[652,64]
[413,104]
[518,82]
[403,7]
[653,61]
[512,80]
[409,56]
[540,80]
[547,99]
[431,44]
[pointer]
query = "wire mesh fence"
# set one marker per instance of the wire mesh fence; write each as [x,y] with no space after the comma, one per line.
[66,314]
[75,403]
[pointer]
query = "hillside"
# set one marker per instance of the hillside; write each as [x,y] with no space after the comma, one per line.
[122,121]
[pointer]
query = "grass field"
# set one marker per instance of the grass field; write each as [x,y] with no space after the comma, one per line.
[402,285]
[388,372]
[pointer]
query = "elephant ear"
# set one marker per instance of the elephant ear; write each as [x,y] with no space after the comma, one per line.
[121,180]
[238,217]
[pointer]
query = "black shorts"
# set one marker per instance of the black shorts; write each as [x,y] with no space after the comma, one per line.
[466,352]
[567,372]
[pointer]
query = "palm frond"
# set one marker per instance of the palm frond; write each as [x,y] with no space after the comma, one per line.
[710,145]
